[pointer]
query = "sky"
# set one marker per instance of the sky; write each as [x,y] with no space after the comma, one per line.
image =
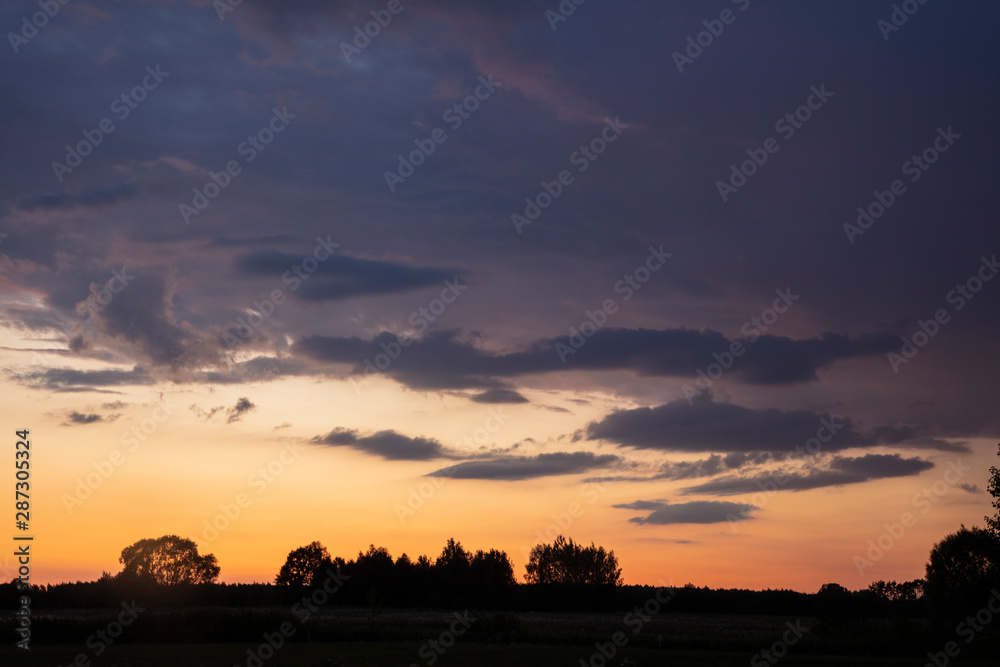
[709,284]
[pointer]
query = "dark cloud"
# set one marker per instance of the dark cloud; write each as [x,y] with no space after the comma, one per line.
[499,396]
[235,413]
[713,465]
[839,471]
[706,425]
[69,379]
[140,314]
[32,319]
[388,444]
[708,467]
[80,418]
[440,360]
[697,511]
[515,468]
[87,199]
[342,277]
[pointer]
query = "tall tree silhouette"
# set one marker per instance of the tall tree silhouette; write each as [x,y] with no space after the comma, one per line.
[452,573]
[374,575]
[962,570]
[565,561]
[167,560]
[302,564]
[492,577]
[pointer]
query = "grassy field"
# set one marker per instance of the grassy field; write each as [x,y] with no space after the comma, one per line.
[206,637]
[405,654]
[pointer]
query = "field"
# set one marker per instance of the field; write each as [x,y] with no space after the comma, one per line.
[341,637]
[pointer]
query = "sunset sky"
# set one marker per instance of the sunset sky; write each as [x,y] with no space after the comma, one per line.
[496,272]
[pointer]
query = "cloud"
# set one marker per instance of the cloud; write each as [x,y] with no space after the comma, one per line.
[69,379]
[341,277]
[697,511]
[837,472]
[80,418]
[206,414]
[388,444]
[499,396]
[440,360]
[706,425]
[235,413]
[713,465]
[515,468]
[96,198]
[141,315]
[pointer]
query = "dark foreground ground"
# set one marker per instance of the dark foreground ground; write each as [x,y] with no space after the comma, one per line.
[232,637]
[405,654]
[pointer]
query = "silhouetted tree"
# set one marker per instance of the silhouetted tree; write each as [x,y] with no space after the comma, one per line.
[167,560]
[302,565]
[894,591]
[373,576]
[452,573]
[565,561]
[993,522]
[492,577]
[963,568]
[833,605]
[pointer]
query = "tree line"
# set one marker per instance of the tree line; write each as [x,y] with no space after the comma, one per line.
[962,572]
